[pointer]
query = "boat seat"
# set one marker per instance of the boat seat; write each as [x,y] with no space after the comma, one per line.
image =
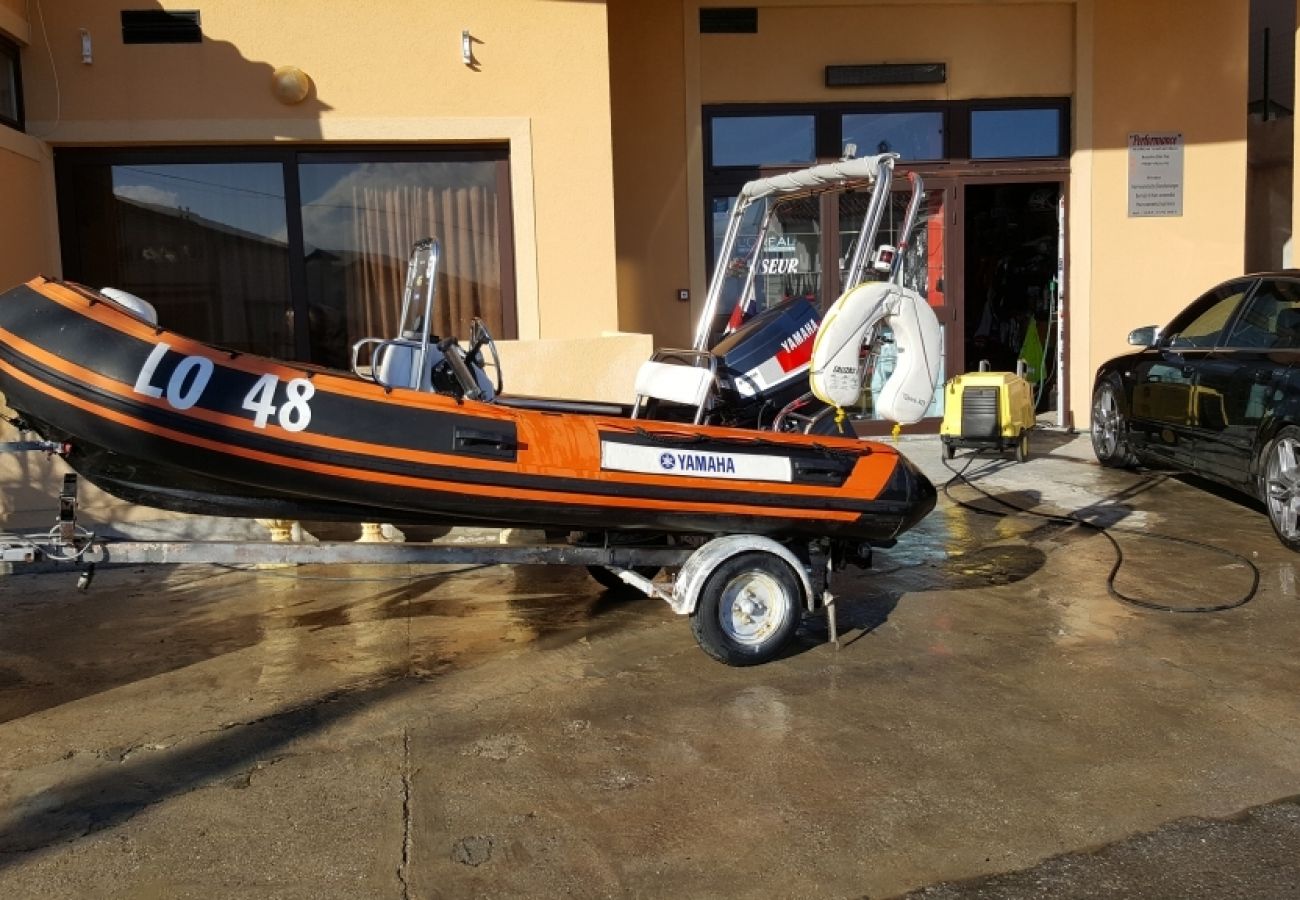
[675,382]
[397,363]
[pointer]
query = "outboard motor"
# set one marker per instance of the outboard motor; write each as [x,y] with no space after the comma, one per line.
[763,365]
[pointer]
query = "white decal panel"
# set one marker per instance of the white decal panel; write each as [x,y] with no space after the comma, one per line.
[693,463]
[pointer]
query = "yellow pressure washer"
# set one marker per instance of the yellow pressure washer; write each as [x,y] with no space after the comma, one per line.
[988,410]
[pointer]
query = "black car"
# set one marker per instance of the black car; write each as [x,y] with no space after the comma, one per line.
[1215,393]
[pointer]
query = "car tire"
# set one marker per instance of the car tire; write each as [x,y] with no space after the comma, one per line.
[1280,485]
[1110,428]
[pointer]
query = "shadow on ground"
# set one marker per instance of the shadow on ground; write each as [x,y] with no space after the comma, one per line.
[112,795]
[1254,854]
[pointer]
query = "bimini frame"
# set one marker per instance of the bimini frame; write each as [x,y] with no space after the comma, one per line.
[872,172]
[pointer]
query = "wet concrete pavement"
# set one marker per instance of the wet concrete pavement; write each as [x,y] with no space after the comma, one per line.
[995,725]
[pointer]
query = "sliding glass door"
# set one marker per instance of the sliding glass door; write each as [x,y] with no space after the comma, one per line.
[287,253]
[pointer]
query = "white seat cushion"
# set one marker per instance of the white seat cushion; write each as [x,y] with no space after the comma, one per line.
[673,382]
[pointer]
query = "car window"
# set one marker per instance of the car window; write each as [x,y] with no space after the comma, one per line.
[1271,319]
[1205,321]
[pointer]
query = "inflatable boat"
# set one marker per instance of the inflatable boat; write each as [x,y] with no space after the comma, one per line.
[419,433]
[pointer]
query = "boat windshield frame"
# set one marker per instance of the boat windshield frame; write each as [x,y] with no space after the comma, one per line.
[875,173]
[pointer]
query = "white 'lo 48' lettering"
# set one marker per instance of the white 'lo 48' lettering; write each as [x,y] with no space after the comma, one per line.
[191,376]
[293,415]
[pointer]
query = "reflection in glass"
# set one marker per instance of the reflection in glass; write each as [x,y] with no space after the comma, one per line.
[1206,329]
[912,135]
[359,222]
[785,267]
[1015,133]
[205,244]
[8,82]
[1271,319]
[923,258]
[763,140]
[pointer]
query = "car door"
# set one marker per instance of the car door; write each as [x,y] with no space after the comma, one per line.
[1239,383]
[1164,404]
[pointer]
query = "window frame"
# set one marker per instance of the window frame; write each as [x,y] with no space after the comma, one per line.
[19,122]
[1202,305]
[1061,108]
[67,160]
[1258,290]
[827,131]
[710,143]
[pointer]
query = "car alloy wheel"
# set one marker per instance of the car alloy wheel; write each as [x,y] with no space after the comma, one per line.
[1282,486]
[1109,437]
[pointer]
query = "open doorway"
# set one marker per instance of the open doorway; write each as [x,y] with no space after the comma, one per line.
[1012,294]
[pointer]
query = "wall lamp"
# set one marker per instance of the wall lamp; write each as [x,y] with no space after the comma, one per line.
[290,85]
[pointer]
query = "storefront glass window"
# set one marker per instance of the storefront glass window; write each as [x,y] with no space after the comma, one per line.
[359,222]
[763,140]
[785,267]
[1015,133]
[206,244]
[10,86]
[916,136]
[289,254]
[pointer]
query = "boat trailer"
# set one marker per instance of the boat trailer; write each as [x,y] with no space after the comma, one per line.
[744,593]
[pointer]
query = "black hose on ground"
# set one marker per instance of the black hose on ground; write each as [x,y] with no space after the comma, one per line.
[959,476]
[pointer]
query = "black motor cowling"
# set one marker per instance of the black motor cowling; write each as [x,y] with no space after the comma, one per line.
[763,365]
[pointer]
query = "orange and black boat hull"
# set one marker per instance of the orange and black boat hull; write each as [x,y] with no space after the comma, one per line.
[166,421]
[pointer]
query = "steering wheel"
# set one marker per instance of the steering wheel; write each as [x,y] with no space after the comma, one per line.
[479,337]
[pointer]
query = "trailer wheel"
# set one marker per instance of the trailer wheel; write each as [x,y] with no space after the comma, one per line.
[748,609]
[949,450]
[609,580]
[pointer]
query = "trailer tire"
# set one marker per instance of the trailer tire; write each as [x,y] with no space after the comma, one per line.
[609,580]
[748,609]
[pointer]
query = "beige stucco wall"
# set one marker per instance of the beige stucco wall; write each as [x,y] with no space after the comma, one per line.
[649,120]
[13,20]
[992,50]
[27,226]
[598,368]
[1159,66]
[387,70]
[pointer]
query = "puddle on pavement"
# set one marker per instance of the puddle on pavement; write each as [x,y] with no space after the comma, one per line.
[762,709]
[352,621]
[339,622]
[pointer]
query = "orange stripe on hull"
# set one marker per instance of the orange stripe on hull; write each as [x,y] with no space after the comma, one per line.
[549,444]
[368,476]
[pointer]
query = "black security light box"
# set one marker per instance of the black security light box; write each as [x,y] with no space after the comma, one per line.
[886,74]
[160,26]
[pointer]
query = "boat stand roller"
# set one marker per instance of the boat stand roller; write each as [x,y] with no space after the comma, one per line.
[744,593]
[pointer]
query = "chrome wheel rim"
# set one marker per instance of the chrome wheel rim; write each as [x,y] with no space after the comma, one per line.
[752,608]
[1105,424]
[1282,487]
